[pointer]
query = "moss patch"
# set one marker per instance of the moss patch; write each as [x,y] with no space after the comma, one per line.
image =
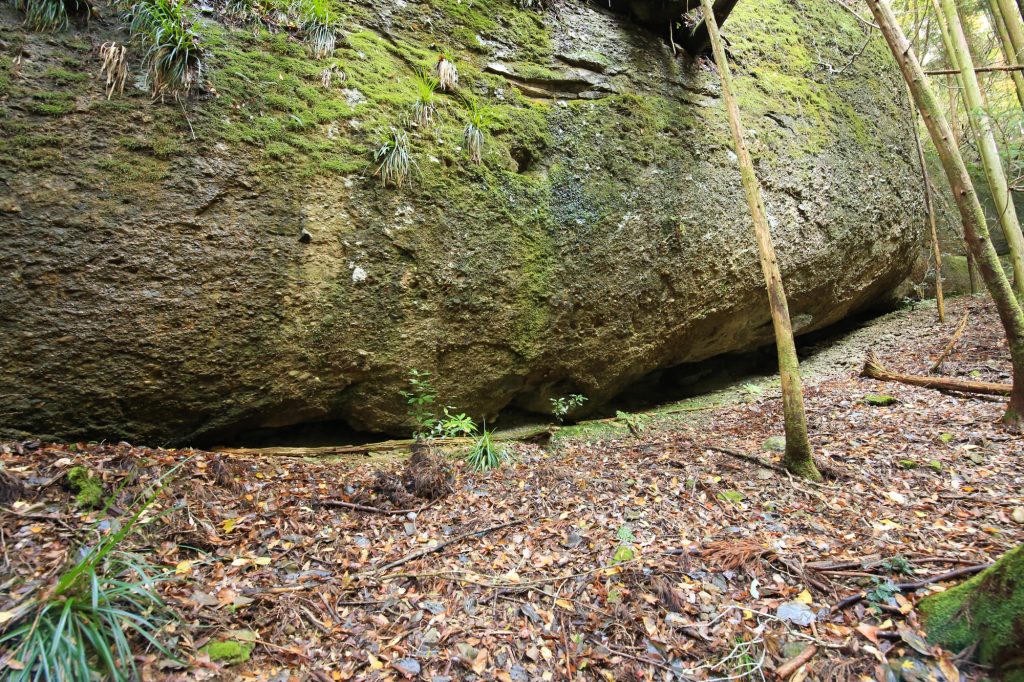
[987,610]
[229,651]
[88,488]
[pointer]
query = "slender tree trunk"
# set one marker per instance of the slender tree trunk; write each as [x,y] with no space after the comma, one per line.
[983,133]
[798,458]
[975,228]
[1014,26]
[930,209]
[1009,52]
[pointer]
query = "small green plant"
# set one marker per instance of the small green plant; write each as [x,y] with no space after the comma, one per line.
[473,133]
[753,389]
[53,15]
[320,25]
[454,425]
[899,565]
[248,10]
[624,551]
[173,59]
[421,399]
[636,423]
[486,454]
[561,407]
[393,159]
[447,73]
[84,626]
[423,110]
[882,592]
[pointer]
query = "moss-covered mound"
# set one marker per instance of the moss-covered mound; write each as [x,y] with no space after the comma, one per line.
[177,271]
[986,611]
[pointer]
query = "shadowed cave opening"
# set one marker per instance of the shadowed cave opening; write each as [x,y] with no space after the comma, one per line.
[661,387]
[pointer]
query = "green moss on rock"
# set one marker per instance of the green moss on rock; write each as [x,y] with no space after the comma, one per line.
[987,610]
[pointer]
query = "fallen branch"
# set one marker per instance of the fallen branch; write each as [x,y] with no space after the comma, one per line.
[749,458]
[874,370]
[438,547]
[977,69]
[916,584]
[792,665]
[365,508]
[949,346]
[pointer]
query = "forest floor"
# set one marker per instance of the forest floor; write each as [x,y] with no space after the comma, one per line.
[599,556]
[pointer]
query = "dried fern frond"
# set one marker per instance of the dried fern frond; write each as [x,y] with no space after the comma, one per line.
[447,73]
[731,555]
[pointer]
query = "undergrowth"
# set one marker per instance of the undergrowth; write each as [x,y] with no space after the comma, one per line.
[320,26]
[393,159]
[53,15]
[85,625]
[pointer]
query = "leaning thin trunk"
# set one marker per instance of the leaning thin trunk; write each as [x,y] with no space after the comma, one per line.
[798,458]
[983,133]
[930,209]
[973,216]
[1009,51]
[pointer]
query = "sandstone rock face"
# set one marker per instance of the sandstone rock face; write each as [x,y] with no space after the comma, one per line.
[155,287]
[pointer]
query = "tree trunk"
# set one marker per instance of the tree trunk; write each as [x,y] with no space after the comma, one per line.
[1014,26]
[973,216]
[987,611]
[930,209]
[1009,52]
[983,133]
[798,458]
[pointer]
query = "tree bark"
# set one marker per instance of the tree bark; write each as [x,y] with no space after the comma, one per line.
[874,370]
[1009,52]
[984,612]
[989,150]
[798,458]
[973,216]
[930,210]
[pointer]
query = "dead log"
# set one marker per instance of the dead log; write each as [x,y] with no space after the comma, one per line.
[874,370]
[952,342]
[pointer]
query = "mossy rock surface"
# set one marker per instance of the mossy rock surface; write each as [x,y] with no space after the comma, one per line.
[987,611]
[229,652]
[157,290]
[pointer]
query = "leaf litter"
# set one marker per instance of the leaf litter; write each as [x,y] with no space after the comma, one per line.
[608,557]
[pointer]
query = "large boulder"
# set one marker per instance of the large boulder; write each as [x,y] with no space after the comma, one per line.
[155,287]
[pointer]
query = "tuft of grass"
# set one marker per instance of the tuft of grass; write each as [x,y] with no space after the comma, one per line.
[447,73]
[393,159]
[320,26]
[173,60]
[424,109]
[486,453]
[84,626]
[53,15]
[479,120]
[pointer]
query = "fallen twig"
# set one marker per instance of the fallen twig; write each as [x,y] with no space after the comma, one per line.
[438,547]
[365,508]
[937,365]
[792,665]
[874,370]
[916,584]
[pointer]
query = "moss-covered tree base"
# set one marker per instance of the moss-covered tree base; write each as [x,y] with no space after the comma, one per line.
[987,610]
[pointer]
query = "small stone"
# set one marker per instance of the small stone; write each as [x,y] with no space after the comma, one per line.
[409,667]
[774,444]
[797,613]
[517,673]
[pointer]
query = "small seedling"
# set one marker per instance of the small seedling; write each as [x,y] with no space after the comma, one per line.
[636,423]
[421,399]
[454,425]
[561,407]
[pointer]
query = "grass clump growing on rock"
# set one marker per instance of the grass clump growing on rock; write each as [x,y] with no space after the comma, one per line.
[321,27]
[173,60]
[473,133]
[53,15]
[424,109]
[393,159]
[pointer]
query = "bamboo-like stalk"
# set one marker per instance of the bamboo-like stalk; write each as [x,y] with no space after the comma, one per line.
[971,212]
[798,458]
[1009,52]
[986,139]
